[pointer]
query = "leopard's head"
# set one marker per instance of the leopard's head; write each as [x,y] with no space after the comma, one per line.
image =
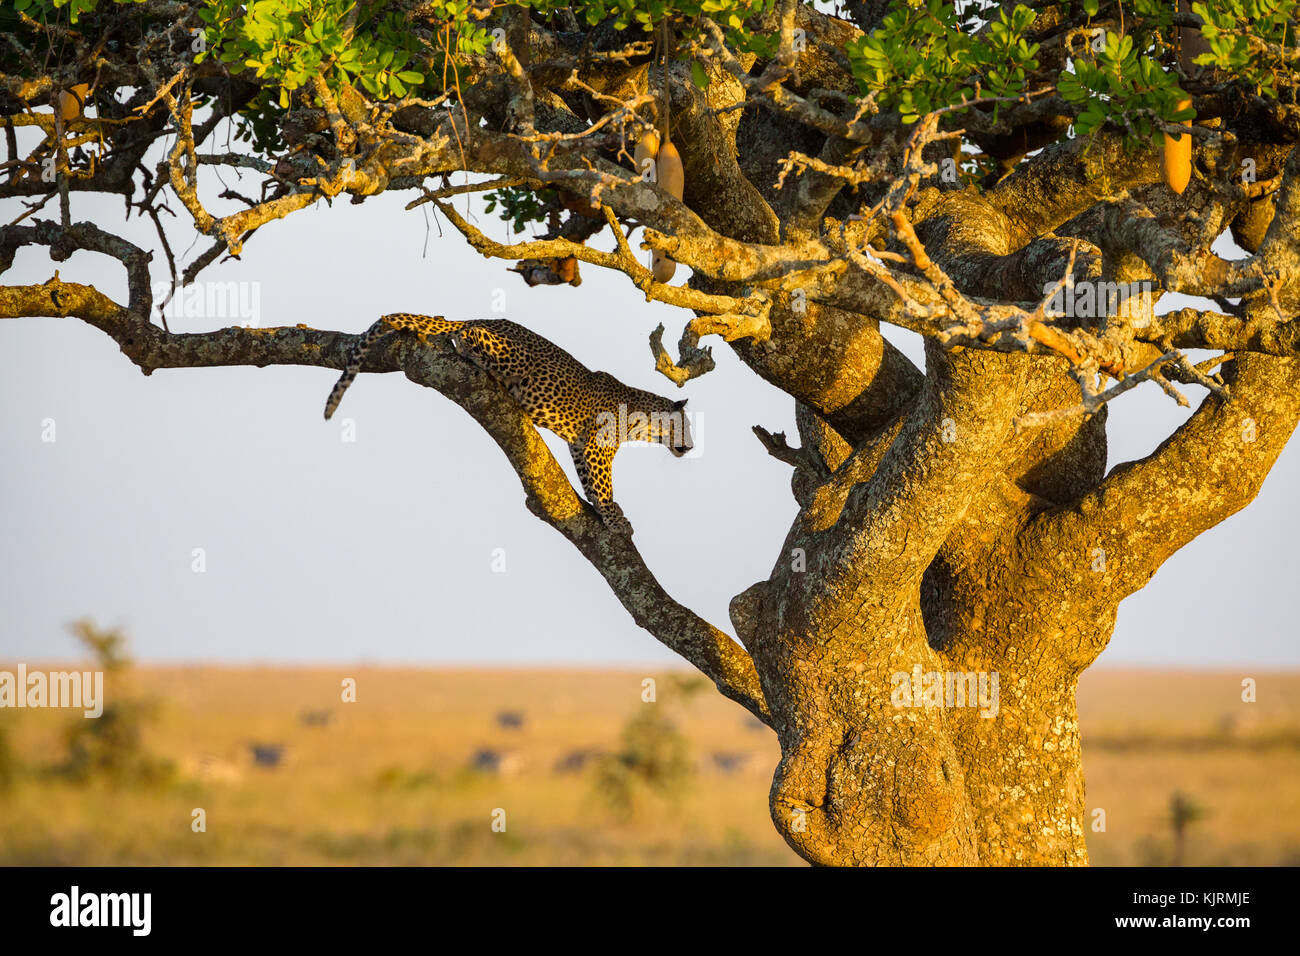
[672,429]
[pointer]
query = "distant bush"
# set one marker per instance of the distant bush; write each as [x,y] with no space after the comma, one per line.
[111,746]
[653,757]
[8,761]
[1183,812]
[396,777]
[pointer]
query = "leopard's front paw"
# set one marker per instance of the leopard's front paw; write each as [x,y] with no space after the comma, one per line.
[615,520]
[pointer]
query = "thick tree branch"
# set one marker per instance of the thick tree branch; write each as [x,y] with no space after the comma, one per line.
[1115,538]
[548,492]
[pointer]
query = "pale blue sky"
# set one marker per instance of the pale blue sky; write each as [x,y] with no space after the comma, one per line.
[381,550]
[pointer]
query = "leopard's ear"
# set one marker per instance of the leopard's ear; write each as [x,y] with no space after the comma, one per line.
[678,406]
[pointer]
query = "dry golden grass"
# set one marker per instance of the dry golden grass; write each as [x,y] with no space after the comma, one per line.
[1147,734]
[387,779]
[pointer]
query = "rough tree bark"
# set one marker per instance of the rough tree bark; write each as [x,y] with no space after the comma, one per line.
[956,519]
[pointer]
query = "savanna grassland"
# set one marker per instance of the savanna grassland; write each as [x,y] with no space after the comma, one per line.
[417,768]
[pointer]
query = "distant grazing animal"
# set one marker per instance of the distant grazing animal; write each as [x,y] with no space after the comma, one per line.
[267,755]
[503,763]
[510,719]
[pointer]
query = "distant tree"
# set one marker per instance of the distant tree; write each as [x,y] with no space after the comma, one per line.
[652,757]
[1183,812]
[8,761]
[111,746]
[1011,181]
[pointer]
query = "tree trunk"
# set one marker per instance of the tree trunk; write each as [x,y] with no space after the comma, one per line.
[956,743]
[883,762]
[889,776]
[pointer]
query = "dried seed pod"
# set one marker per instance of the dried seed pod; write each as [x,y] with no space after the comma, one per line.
[646,151]
[672,177]
[73,100]
[567,269]
[661,266]
[1178,156]
[1191,44]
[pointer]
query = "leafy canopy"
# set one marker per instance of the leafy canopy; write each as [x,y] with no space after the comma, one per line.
[925,55]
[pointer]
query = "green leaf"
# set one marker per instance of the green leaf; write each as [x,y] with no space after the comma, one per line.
[699,75]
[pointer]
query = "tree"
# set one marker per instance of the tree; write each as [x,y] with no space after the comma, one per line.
[1010,181]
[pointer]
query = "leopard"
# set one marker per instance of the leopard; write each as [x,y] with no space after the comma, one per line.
[593,412]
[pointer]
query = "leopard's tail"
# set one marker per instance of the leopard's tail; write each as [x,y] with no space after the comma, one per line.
[422,325]
[356,359]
